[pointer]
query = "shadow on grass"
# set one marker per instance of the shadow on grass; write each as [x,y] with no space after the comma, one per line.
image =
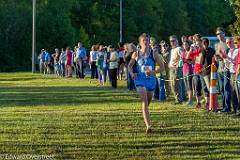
[62,95]
[19,79]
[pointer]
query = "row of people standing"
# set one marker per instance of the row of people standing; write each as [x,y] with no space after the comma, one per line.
[190,63]
[64,62]
[44,59]
[104,63]
[228,59]
[107,63]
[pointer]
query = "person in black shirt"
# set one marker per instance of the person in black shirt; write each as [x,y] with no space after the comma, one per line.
[208,55]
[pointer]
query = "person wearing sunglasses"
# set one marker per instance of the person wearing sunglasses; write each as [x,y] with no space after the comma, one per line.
[230,93]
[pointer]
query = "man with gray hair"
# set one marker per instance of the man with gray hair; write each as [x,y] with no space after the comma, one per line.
[230,92]
[176,54]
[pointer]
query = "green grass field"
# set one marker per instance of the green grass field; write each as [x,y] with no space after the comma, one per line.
[75,119]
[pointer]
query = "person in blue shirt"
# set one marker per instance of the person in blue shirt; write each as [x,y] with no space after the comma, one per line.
[47,59]
[145,77]
[81,56]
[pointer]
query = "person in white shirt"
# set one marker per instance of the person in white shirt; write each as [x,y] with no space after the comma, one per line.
[175,57]
[230,93]
[93,62]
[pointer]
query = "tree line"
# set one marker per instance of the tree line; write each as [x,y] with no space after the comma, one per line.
[61,23]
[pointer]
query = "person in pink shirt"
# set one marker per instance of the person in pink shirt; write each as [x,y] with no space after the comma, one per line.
[237,41]
[188,61]
[69,62]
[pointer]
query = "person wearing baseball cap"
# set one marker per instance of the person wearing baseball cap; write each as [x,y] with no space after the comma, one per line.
[220,30]
[221,48]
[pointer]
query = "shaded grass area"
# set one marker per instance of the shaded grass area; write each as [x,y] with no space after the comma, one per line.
[75,119]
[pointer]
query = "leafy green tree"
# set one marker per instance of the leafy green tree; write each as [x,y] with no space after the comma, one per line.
[235,27]
[15,38]
[176,20]
[54,28]
[206,16]
[62,23]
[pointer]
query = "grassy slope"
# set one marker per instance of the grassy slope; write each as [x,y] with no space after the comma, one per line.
[74,119]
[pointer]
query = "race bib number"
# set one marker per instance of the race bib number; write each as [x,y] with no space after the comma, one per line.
[146,68]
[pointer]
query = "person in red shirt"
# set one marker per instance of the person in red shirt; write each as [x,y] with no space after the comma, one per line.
[198,81]
[69,62]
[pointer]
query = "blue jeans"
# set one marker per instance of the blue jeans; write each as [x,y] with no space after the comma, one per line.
[99,75]
[227,91]
[200,84]
[230,92]
[160,92]
[181,81]
[221,87]
[106,71]
[62,69]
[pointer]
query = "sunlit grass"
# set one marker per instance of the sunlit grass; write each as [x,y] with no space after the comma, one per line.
[75,119]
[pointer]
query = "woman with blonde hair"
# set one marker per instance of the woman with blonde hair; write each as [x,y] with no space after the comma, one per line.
[145,76]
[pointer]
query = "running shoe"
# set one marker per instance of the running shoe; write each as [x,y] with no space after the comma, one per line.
[148,130]
[198,105]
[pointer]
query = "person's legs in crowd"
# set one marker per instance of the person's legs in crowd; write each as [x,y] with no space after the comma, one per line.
[92,70]
[77,69]
[105,72]
[81,74]
[234,92]
[197,89]
[205,90]
[221,87]
[100,76]
[238,95]
[69,71]
[175,85]
[207,81]
[113,75]
[62,69]
[227,92]
[182,89]
[188,83]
